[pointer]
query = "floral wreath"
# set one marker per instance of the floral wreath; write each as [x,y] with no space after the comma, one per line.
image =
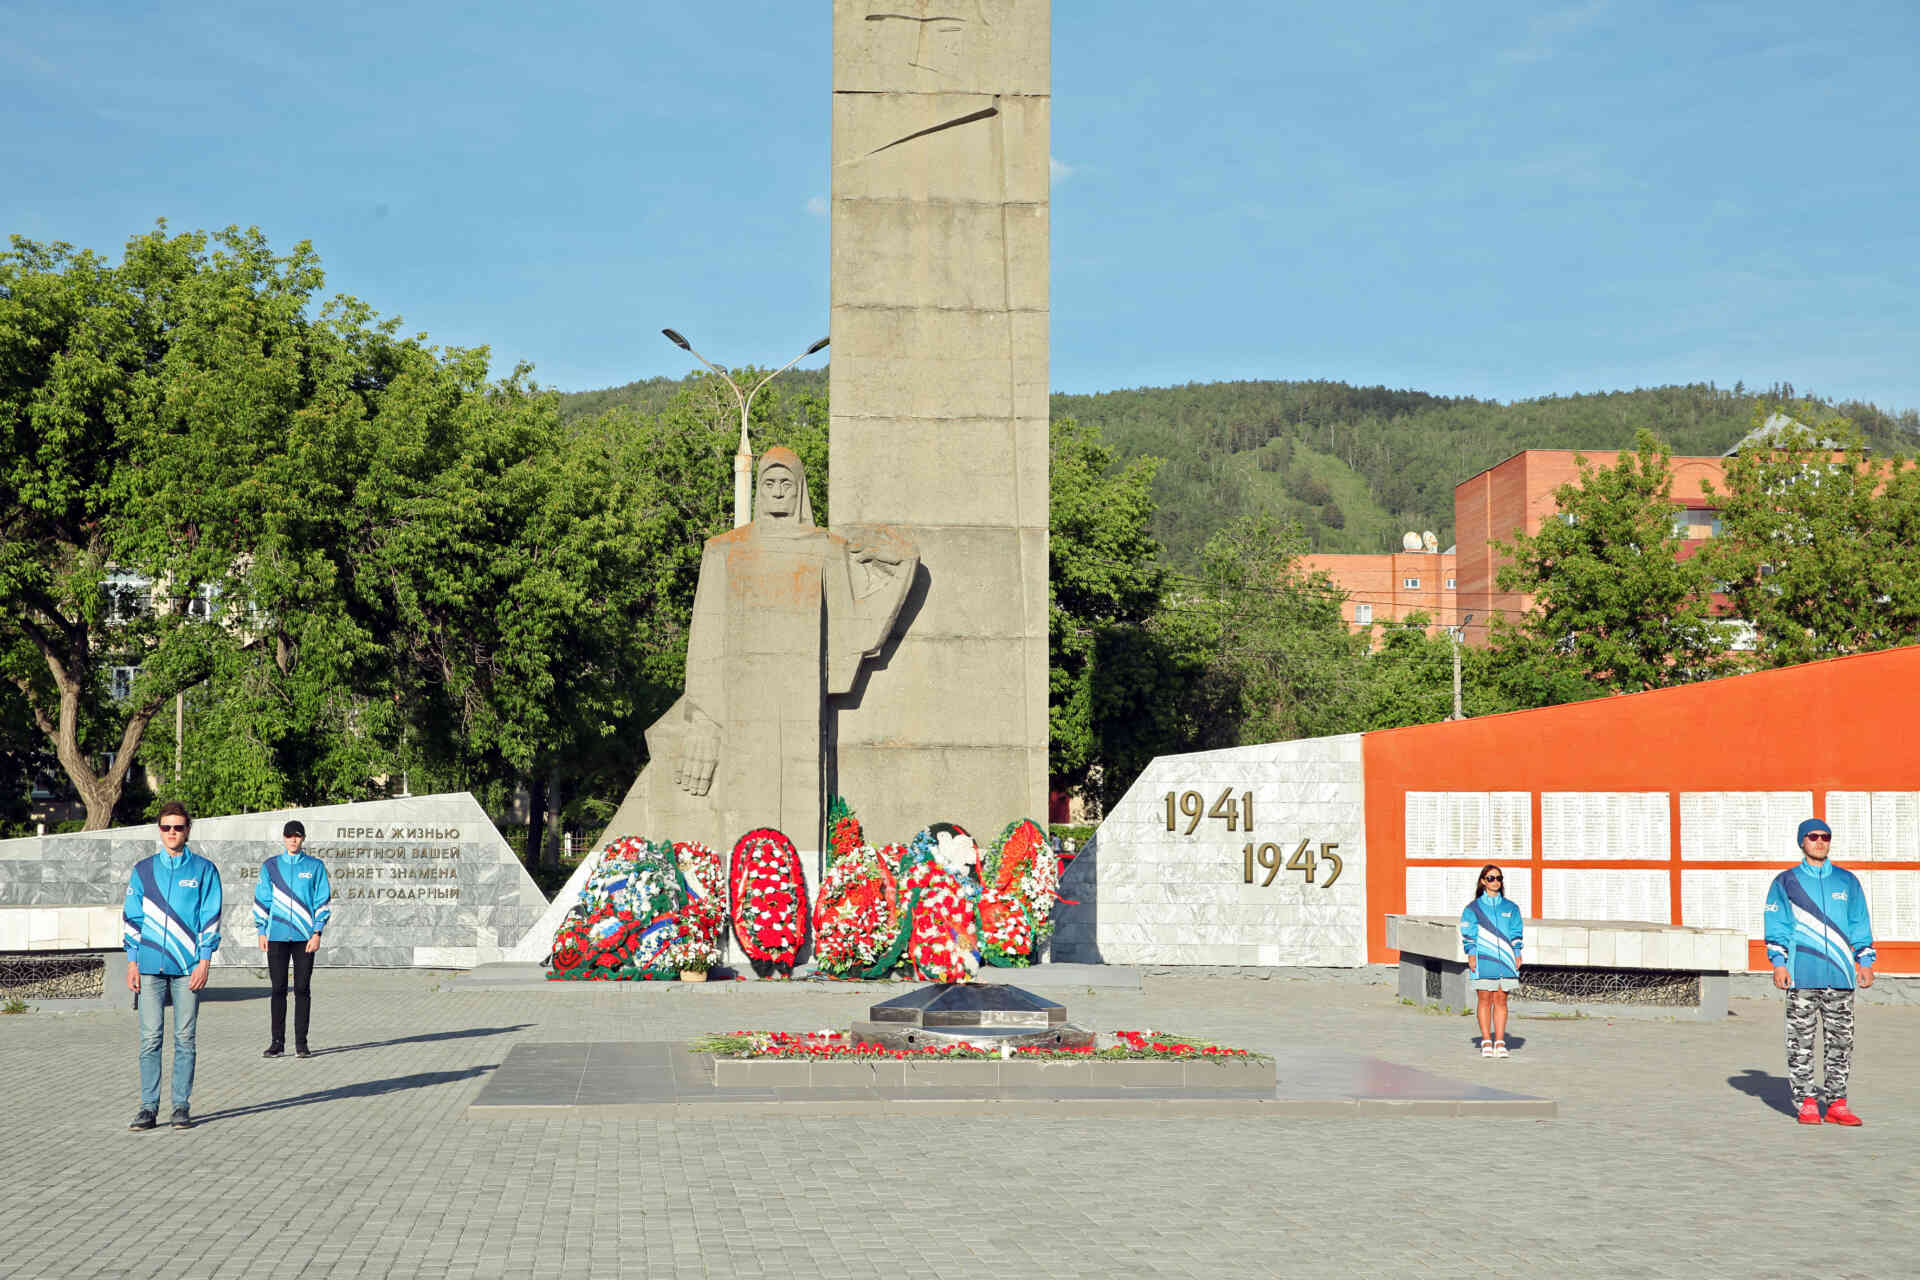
[635,875]
[944,942]
[857,916]
[843,829]
[1006,929]
[1021,862]
[703,920]
[610,945]
[769,895]
[625,918]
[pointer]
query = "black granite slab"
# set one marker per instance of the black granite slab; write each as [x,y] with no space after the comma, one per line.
[969,1004]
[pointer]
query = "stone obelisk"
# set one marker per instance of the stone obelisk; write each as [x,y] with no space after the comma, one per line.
[939,399]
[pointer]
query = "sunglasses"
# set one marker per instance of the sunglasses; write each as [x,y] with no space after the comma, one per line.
[1493,879]
[173,826]
[1822,836]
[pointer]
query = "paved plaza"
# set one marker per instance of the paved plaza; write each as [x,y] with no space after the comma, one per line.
[1673,1153]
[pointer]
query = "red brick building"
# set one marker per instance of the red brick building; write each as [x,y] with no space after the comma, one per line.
[1387,588]
[1505,500]
[1516,496]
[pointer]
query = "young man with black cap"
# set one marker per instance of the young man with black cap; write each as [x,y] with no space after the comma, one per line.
[1820,944]
[291,904]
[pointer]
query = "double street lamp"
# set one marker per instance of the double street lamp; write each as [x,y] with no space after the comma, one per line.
[743,457]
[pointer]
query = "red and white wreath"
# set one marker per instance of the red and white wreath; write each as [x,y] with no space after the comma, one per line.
[769,893]
[944,945]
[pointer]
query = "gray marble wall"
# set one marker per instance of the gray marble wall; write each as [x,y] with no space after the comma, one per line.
[1182,896]
[425,881]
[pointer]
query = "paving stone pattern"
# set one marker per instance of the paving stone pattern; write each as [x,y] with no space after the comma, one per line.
[1672,1154]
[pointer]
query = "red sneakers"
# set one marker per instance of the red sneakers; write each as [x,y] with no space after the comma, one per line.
[1838,1113]
[1810,1112]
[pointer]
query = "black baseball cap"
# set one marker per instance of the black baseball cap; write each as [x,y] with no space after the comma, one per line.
[294,828]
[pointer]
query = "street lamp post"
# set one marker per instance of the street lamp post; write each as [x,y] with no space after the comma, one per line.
[1456,633]
[743,457]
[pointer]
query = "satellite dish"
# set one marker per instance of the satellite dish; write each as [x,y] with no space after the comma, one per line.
[1430,540]
[1411,542]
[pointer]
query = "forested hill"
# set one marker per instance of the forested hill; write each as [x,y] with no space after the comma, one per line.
[652,394]
[1358,466]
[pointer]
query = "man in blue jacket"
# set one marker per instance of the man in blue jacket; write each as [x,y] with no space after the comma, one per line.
[291,905]
[171,928]
[1819,942]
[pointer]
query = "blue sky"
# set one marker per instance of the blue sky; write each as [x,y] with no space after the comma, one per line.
[1493,199]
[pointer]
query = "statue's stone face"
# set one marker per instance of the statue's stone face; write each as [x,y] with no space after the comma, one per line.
[779,493]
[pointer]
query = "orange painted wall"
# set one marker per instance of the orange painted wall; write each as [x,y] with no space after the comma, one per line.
[1847,724]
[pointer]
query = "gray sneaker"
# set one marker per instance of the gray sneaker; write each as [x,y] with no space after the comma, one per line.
[144,1119]
[181,1120]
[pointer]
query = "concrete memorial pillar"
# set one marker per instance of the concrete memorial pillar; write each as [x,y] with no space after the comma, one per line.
[939,399]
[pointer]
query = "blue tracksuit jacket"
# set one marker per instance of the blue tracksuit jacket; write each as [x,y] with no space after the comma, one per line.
[171,920]
[293,899]
[1490,933]
[1817,926]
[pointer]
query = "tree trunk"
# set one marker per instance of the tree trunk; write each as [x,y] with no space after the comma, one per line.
[99,792]
[550,851]
[536,819]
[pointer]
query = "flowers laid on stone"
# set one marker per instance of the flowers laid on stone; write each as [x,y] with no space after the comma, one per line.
[1119,1046]
[768,893]
[935,908]
[626,919]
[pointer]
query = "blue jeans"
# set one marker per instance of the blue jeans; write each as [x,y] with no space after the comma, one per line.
[155,988]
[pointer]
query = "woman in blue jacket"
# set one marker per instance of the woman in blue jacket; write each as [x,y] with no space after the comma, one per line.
[1490,937]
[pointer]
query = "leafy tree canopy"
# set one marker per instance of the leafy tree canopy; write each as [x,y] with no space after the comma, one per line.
[1610,590]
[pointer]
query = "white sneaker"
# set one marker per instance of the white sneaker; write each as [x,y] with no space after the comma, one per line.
[1500,1049]
[1486,1048]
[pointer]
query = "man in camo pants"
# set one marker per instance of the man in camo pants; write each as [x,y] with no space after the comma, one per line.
[1819,941]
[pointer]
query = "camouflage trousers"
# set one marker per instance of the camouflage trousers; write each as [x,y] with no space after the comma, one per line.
[1808,1007]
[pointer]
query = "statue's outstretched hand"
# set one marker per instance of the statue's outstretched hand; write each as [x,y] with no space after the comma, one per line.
[864,552]
[699,754]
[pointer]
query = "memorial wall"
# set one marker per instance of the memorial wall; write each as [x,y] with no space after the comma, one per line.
[425,881]
[1671,807]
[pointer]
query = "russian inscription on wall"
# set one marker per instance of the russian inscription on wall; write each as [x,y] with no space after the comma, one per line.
[426,881]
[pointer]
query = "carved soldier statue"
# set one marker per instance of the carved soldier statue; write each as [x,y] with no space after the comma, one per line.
[784,614]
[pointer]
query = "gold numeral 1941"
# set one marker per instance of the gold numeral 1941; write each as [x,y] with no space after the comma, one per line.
[1193,806]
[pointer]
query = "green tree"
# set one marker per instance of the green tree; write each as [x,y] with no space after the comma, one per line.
[1409,678]
[1610,592]
[1820,550]
[1273,634]
[1105,577]
[110,376]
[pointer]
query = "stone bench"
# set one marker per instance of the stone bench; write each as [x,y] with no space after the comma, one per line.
[63,957]
[1601,968]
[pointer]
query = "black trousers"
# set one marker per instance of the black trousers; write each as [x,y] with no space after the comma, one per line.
[278,954]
